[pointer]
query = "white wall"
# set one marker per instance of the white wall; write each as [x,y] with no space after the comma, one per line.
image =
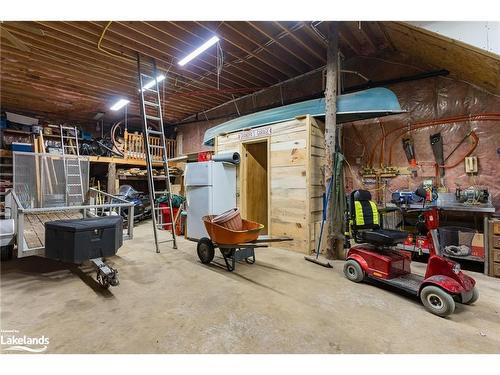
[480,34]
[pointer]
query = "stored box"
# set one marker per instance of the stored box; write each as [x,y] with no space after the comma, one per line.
[496,227]
[496,269]
[76,241]
[496,242]
[495,255]
[23,147]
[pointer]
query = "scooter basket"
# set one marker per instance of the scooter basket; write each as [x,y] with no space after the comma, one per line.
[456,240]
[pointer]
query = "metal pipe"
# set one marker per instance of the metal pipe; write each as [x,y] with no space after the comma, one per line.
[415,77]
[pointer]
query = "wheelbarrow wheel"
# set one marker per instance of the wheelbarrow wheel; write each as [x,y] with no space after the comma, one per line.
[6,252]
[205,249]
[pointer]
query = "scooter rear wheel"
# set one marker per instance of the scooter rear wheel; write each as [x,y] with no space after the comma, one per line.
[437,301]
[353,271]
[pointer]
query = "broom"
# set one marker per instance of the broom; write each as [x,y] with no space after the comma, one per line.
[315,258]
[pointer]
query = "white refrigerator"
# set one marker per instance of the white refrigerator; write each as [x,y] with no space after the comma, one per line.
[210,190]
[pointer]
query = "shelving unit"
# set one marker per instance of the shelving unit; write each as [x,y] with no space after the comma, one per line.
[6,175]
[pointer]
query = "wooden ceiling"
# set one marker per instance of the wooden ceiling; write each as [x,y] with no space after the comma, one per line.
[58,70]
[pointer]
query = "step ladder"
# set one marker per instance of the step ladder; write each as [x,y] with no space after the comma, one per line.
[152,121]
[72,167]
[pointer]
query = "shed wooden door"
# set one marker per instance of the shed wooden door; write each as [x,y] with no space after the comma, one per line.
[256,189]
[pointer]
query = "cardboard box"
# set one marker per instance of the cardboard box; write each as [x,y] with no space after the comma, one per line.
[496,242]
[478,245]
[496,227]
[495,256]
[496,269]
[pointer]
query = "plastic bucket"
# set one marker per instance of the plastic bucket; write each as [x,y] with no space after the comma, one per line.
[230,219]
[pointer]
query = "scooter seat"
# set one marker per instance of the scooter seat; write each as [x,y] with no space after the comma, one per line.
[386,237]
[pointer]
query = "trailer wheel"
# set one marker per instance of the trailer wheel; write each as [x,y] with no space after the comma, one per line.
[437,301]
[205,250]
[6,252]
[353,271]
[474,298]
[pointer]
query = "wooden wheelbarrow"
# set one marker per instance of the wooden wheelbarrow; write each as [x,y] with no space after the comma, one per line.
[234,245]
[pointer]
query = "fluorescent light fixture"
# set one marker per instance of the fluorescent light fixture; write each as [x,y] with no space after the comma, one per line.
[98,115]
[120,104]
[209,43]
[151,83]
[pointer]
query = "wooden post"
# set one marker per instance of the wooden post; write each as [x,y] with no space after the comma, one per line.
[334,228]
[111,188]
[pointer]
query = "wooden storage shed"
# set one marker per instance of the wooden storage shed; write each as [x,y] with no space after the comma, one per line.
[279,180]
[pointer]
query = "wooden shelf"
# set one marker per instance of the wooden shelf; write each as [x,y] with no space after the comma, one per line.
[159,178]
[14,131]
[105,159]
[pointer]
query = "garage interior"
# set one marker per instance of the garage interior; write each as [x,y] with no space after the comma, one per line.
[175,177]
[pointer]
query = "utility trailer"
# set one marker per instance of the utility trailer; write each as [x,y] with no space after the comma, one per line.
[41,195]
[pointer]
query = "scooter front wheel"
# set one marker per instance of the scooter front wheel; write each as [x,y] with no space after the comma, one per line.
[474,298]
[437,301]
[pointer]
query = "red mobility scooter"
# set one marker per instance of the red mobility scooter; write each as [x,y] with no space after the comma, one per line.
[375,257]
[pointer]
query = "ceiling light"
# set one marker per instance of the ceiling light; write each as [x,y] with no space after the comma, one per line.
[98,115]
[209,43]
[151,83]
[119,104]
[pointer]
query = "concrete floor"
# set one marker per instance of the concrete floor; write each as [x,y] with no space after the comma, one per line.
[171,303]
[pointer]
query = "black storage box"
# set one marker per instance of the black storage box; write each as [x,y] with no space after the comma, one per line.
[75,241]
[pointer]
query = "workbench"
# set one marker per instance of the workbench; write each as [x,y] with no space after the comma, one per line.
[448,206]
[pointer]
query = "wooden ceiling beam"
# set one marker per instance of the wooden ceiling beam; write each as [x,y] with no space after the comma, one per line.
[376,34]
[122,42]
[109,86]
[355,31]
[246,58]
[115,65]
[320,57]
[255,50]
[348,39]
[13,94]
[296,55]
[128,78]
[100,96]
[237,62]
[163,65]
[265,44]
[75,99]
[153,40]
[313,34]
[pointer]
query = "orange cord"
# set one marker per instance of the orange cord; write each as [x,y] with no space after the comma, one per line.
[425,124]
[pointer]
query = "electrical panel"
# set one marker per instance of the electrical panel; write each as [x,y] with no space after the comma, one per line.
[471,164]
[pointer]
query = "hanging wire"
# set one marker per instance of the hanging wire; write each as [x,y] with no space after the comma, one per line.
[219,63]
[126,106]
